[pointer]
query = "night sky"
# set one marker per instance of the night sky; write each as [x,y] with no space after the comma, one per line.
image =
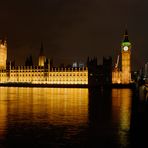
[71,30]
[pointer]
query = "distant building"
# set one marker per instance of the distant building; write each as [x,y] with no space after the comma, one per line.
[75,65]
[142,76]
[78,65]
[81,65]
[146,70]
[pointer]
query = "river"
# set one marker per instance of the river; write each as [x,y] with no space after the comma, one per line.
[68,117]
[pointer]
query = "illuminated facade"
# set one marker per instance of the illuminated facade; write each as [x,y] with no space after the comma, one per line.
[40,75]
[123,76]
[3,54]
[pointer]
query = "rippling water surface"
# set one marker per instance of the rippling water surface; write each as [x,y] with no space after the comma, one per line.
[65,117]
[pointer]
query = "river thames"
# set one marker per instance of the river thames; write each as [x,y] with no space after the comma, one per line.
[70,117]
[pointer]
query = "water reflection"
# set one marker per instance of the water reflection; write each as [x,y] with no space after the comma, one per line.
[58,117]
[121,110]
[59,106]
[42,115]
[3,112]
[109,117]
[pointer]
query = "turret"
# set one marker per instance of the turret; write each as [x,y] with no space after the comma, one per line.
[3,54]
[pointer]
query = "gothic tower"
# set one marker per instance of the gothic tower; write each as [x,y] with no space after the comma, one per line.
[3,54]
[126,60]
[42,58]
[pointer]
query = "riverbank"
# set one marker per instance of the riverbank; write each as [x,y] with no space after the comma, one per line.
[132,85]
[44,85]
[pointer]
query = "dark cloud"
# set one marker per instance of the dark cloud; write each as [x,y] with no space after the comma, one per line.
[73,29]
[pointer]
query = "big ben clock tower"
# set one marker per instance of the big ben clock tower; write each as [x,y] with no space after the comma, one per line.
[126,60]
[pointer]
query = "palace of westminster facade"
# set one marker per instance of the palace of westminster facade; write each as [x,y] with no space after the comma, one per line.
[44,73]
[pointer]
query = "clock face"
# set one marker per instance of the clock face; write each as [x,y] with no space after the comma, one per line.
[125,48]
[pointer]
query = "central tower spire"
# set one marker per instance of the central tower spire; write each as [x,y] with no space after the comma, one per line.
[42,58]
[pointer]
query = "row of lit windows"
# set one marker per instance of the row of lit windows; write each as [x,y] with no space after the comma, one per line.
[27,71]
[42,70]
[49,75]
[78,74]
[51,80]
[26,75]
[3,75]
[68,80]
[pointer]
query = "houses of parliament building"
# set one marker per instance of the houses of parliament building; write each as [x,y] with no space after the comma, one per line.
[44,73]
[41,74]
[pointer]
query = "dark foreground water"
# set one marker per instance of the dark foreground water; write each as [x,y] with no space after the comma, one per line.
[67,117]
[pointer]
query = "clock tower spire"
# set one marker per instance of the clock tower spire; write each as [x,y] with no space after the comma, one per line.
[126,36]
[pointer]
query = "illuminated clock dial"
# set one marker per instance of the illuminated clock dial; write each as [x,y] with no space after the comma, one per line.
[125,48]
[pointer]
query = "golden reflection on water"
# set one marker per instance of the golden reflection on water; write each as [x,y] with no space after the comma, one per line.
[3,112]
[57,106]
[121,109]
